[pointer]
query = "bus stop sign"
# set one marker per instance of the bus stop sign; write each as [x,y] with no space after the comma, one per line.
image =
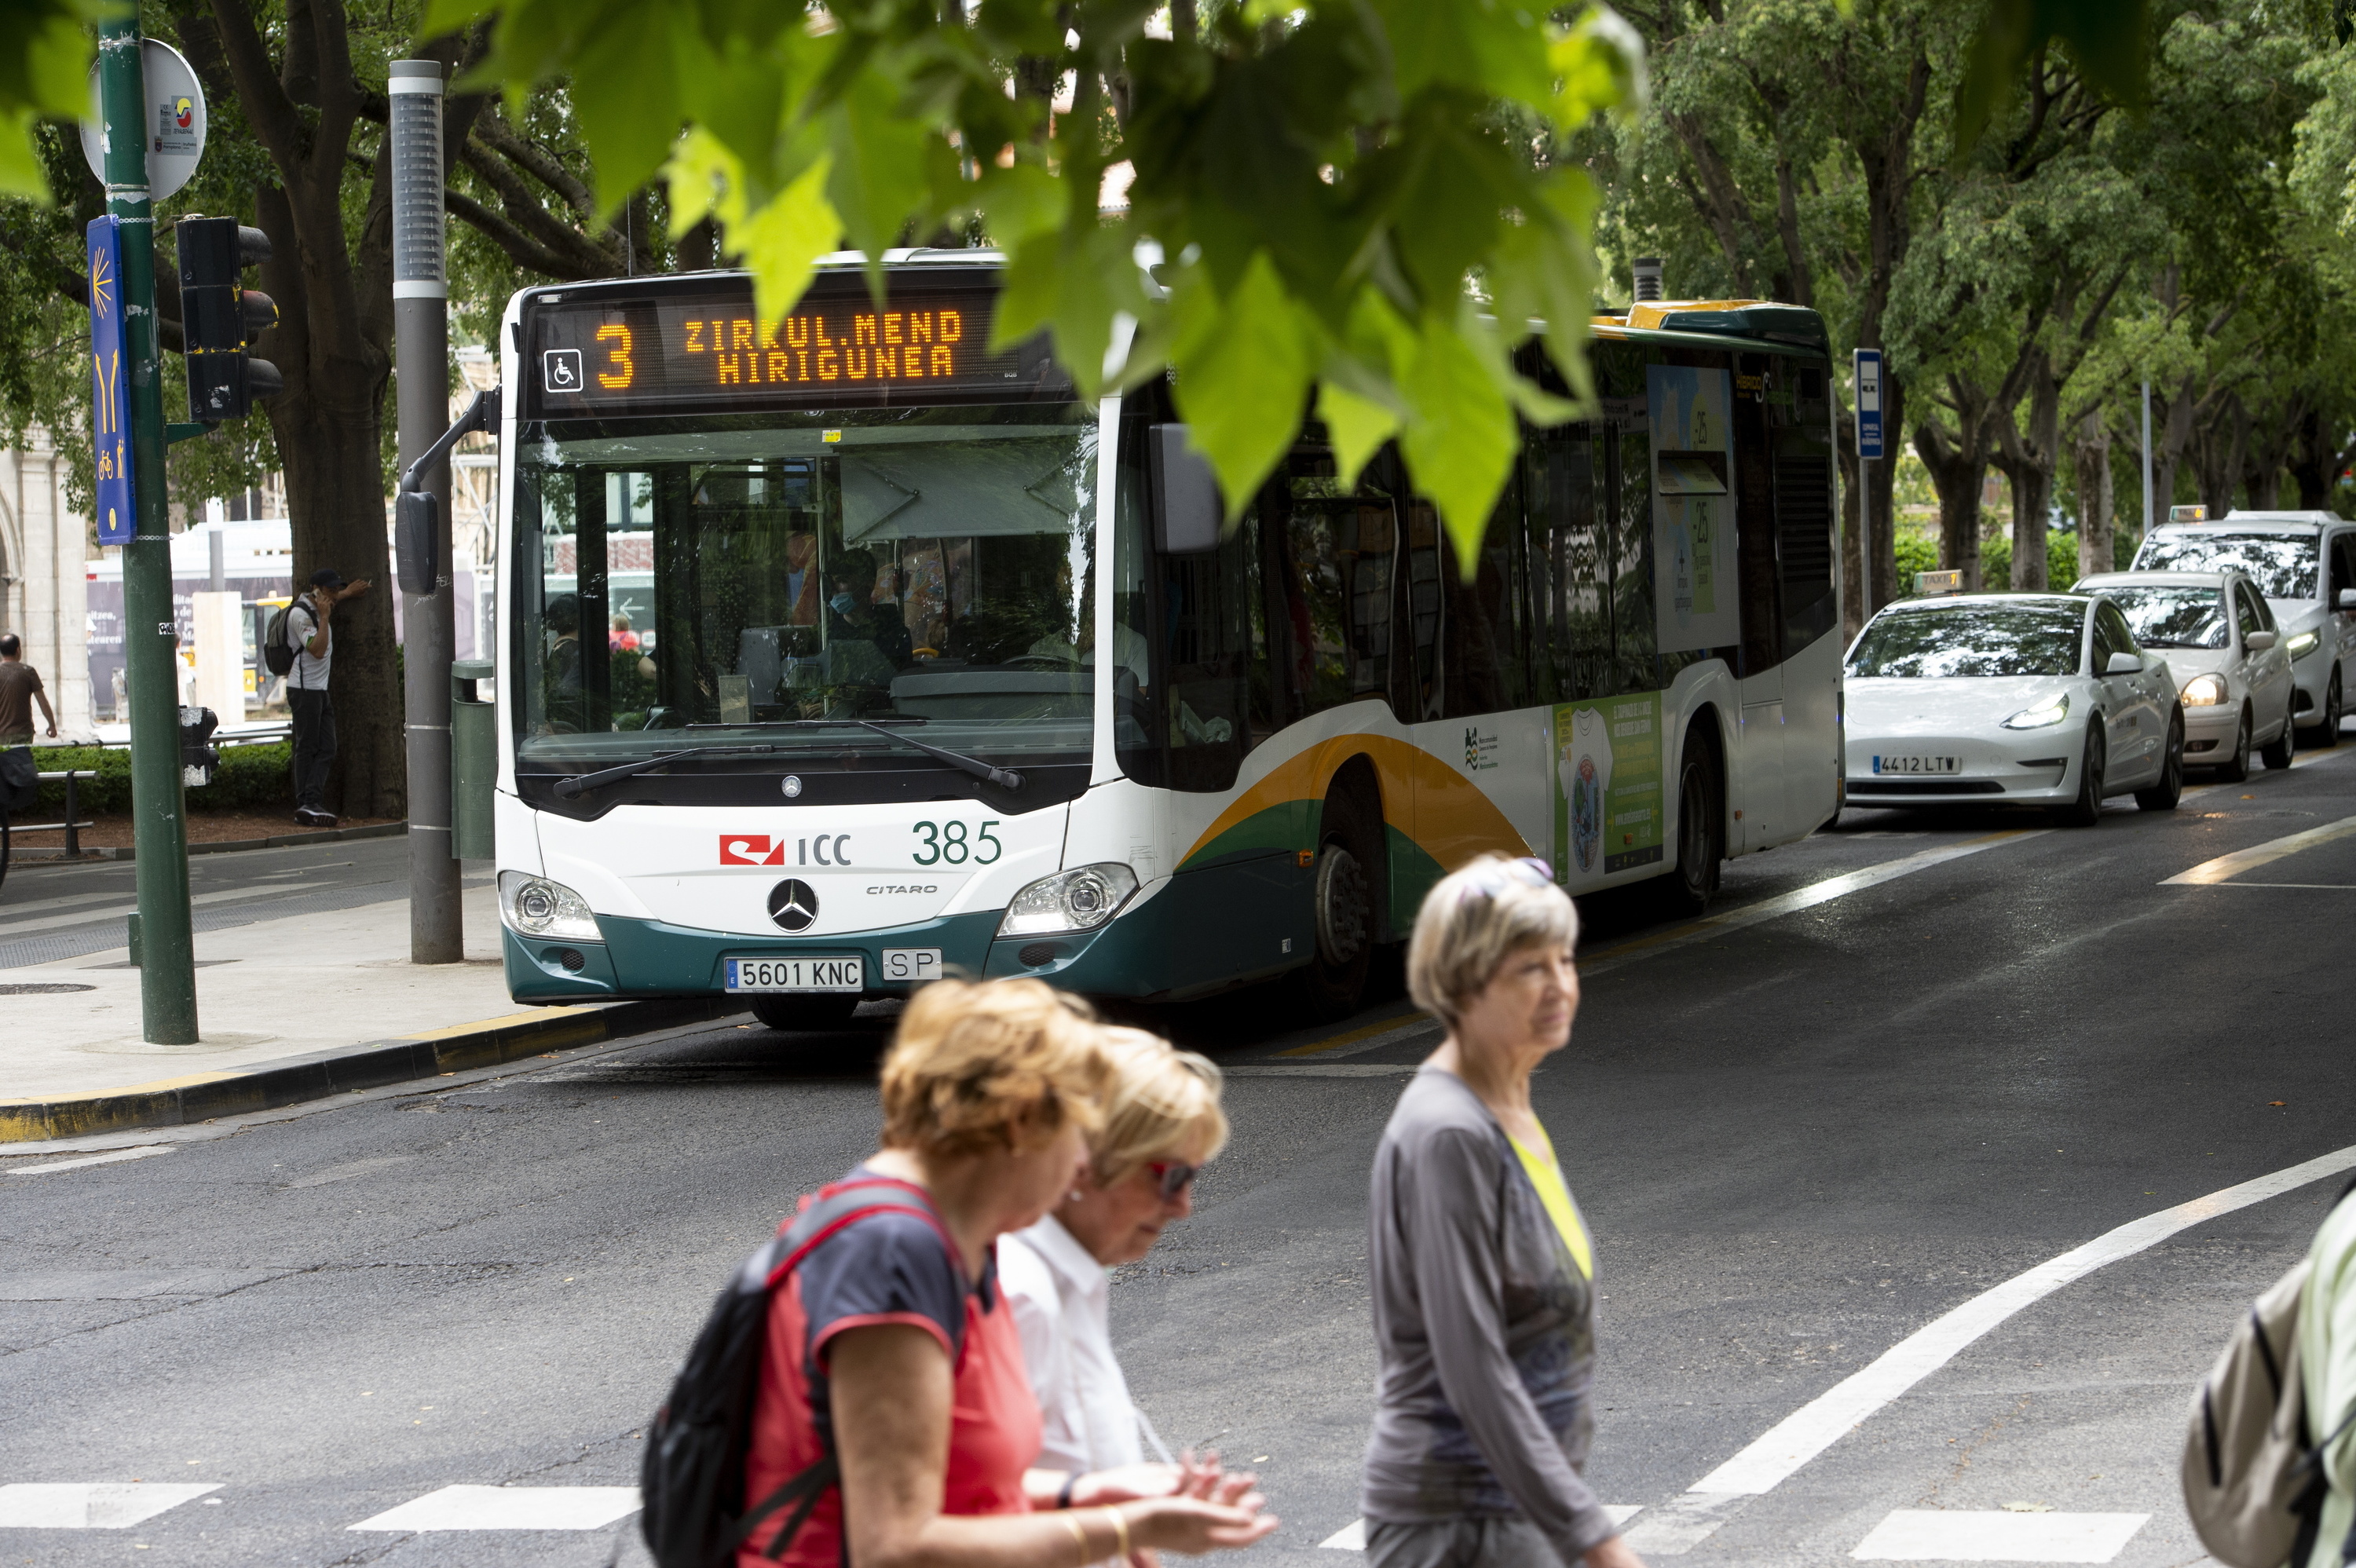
[1869,403]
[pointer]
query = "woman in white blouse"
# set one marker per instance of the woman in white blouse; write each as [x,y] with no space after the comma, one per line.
[1161,1125]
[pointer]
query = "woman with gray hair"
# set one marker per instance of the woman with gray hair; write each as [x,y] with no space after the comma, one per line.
[1482,1272]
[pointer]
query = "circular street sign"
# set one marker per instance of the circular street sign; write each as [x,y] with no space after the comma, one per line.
[174,122]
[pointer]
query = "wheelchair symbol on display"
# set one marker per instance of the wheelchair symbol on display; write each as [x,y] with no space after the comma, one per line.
[561,370]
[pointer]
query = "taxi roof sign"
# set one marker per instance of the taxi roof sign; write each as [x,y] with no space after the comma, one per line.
[2188,514]
[1929,583]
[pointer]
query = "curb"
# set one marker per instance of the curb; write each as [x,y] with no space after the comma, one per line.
[265,1086]
[221,846]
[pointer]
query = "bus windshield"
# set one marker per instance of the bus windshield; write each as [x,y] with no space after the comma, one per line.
[2282,565]
[1967,639]
[751,575]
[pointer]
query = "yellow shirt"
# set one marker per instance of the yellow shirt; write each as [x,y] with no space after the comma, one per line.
[1547,1177]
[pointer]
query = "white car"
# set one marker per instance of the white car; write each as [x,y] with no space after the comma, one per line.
[2232,674]
[2009,699]
[2305,563]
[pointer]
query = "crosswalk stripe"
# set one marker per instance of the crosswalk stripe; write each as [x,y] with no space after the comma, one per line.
[102,1505]
[1351,1537]
[2226,867]
[509,1507]
[1918,1535]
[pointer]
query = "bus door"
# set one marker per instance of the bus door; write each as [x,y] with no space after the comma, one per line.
[1757,797]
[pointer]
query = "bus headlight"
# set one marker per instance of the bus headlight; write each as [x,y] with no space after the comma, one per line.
[534,906]
[2303,644]
[2203,691]
[1078,899]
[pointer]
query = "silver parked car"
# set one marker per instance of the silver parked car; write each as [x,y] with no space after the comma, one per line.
[2304,564]
[2232,674]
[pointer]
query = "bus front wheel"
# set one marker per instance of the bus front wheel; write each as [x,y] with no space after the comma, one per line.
[1342,905]
[1701,824]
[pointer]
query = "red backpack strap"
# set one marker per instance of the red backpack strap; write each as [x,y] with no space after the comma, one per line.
[845,1203]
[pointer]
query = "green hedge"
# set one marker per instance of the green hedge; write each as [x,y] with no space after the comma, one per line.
[248,776]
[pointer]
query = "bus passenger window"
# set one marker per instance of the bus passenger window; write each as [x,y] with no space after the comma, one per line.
[1628,484]
[1754,521]
[1316,610]
[1798,422]
[1484,659]
[1571,554]
[1426,546]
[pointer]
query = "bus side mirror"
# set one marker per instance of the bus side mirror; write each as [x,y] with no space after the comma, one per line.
[416,520]
[1185,500]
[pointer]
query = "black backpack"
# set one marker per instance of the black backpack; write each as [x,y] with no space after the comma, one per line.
[277,647]
[691,1482]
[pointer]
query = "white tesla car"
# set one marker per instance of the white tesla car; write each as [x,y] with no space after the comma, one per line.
[2232,674]
[2010,699]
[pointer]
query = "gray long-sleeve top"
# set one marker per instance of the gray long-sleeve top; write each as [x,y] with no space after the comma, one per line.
[1486,1327]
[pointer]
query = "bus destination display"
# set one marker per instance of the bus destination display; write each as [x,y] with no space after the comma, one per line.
[600,352]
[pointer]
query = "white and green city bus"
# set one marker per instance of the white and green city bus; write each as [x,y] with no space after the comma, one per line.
[933,668]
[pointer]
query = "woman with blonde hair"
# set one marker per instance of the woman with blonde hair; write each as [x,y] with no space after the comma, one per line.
[1483,1271]
[1161,1125]
[893,1372]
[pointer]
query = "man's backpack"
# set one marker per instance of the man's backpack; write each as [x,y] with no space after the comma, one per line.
[278,647]
[2252,1483]
[691,1482]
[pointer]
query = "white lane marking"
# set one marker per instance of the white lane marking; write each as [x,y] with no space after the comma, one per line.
[16,927]
[1809,897]
[1351,1537]
[2311,887]
[115,1159]
[1683,1522]
[2226,867]
[1777,1454]
[509,1507]
[1919,1535]
[34,1505]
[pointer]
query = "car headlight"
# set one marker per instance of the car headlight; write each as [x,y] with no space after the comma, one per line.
[2303,644]
[2051,711]
[534,906]
[1078,899]
[2203,691]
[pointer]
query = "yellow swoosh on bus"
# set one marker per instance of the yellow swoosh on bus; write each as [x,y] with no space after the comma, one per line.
[1437,808]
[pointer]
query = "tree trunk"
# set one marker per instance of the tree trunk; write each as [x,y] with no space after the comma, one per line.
[2028,458]
[1883,488]
[2090,467]
[2175,434]
[1851,571]
[1957,462]
[2217,447]
[2312,458]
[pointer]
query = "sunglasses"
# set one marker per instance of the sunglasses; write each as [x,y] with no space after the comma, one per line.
[1491,880]
[1173,1176]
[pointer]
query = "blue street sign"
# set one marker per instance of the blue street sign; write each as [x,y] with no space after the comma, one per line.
[1869,402]
[116,499]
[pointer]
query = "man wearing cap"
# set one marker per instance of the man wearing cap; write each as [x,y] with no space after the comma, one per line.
[307,690]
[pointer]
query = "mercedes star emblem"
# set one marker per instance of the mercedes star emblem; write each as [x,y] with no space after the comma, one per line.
[793,904]
[792,785]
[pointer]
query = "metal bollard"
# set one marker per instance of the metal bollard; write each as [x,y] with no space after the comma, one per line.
[474,760]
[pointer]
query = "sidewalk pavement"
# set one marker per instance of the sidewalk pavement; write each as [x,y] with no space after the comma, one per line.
[287,1010]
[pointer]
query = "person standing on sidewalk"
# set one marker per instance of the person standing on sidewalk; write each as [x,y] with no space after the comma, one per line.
[20,689]
[1483,1270]
[2327,1356]
[308,628]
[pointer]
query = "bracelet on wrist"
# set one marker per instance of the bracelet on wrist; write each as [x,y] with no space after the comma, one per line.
[1063,1492]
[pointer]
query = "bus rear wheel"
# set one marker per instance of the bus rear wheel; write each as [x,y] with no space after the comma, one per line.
[806,1014]
[1701,824]
[1342,904]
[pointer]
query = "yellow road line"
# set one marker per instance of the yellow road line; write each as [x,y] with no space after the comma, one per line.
[2226,867]
[1333,1042]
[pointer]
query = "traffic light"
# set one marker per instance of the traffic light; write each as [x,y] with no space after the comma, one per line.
[219,319]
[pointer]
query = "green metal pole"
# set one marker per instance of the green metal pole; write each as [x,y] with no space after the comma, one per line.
[168,966]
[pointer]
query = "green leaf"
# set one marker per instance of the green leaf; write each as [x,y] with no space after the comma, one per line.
[629,102]
[1019,202]
[1599,68]
[1245,383]
[781,242]
[1459,438]
[1357,426]
[1074,282]
[2109,39]
[20,162]
[883,160]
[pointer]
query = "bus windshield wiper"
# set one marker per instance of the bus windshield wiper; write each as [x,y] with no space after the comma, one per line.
[580,784]
[1004,778]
